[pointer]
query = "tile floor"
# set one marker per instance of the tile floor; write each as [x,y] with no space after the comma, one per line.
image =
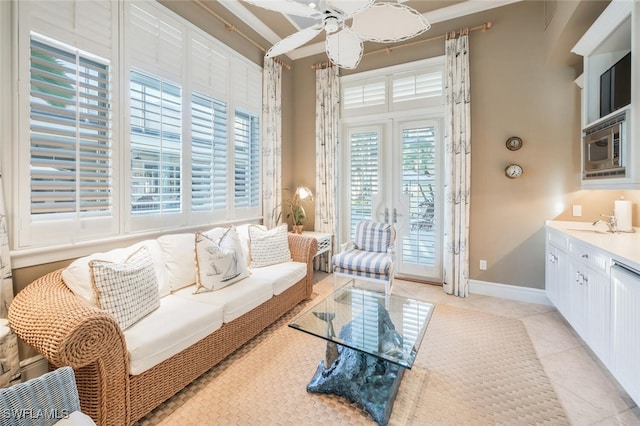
[586,389]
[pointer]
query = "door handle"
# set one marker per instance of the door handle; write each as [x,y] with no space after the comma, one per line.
[386,215]
[395,215]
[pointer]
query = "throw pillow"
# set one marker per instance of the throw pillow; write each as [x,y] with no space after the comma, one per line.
[129,290]
[268,247]
[219,259]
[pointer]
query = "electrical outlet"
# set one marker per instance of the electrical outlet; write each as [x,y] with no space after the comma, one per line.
[577,210]
[483,265]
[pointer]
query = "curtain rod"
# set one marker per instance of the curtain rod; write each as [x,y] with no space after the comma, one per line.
[230,27]
[484,27]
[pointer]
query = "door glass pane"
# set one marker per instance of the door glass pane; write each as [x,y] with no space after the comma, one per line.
[364,175]
[418,185]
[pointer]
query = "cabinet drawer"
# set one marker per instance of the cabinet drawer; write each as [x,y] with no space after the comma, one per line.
[590,256]
[556,238]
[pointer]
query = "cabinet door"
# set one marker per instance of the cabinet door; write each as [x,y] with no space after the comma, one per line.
[578,315]
[599,318]
[626,330]
[551,274]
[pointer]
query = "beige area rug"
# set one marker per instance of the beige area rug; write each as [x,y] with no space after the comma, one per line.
[473,368]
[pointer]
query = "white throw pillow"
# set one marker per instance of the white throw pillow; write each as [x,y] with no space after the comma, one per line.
[129,290]
[178,253]
[77,275]
[268,247]
[219,259]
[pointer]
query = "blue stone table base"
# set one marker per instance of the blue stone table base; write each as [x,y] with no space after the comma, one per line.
[370,382]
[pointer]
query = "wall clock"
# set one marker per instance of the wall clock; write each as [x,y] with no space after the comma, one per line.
[514,143]
[513,171]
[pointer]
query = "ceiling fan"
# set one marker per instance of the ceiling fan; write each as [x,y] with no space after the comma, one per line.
[381,22]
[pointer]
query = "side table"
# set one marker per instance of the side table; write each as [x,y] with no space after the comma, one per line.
[325,248]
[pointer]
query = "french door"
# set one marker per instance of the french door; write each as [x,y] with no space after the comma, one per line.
[393,174]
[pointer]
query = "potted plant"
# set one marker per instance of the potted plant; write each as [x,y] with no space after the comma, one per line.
[294,209]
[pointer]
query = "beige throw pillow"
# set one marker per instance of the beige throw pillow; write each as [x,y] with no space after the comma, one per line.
[268,247]
[129,290]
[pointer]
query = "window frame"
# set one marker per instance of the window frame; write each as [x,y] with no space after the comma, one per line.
[52,241]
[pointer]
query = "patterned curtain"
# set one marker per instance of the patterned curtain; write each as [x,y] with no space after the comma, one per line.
[271,141]
[9,361]
[457,163]
[327,112]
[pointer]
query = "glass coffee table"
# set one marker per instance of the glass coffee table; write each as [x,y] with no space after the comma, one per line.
[371,339]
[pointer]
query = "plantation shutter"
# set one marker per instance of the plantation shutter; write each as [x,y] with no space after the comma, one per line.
[418,182]
[88,25]
[208,153]
[70,132]
[417,86]
[246,85]
[363,175]
[370,93]
[246,160]
[209,67]
[155,41]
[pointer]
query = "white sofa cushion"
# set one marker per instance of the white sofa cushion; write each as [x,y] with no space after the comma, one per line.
[283,275]
[236,299]
[77,275]
[178,253]
[127,290]
[77,418]
[268,246]
[243,234]
[177,324]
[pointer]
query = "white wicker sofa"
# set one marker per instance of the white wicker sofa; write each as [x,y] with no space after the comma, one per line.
[122,375]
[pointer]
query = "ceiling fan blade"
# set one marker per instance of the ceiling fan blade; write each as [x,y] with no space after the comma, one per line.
[293,41]
[350,7]
[289,7]
[344,48]
[389,22]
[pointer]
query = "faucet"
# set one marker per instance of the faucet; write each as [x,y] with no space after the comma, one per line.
[612,223]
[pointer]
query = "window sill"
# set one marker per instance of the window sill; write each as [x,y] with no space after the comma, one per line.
[23,258]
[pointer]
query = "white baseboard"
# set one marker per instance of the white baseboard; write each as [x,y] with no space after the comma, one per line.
[507,291]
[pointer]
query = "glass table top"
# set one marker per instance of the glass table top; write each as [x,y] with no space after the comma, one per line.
[387,327]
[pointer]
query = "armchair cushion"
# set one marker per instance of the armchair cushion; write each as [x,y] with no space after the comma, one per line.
[374,236]
[369,264]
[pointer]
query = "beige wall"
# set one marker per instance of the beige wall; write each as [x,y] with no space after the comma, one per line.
[514,92]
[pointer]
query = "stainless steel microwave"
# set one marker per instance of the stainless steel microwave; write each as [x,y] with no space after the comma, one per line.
[603,148]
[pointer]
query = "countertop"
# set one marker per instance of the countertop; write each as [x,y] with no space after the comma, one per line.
[622,246]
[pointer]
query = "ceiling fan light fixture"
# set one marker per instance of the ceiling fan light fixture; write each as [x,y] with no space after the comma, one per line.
[331,24]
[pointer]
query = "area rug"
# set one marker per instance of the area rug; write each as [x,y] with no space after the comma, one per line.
[472,368]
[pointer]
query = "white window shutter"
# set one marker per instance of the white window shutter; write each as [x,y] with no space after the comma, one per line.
[155,41]
[209,67]
[88,25]
[416,86]
[246,84]
[208,154]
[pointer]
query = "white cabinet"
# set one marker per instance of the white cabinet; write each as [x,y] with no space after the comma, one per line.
[612,36]
[589,293]
[556,269]
[626,329]
[600,298]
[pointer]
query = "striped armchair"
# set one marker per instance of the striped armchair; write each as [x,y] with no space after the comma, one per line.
[369,256]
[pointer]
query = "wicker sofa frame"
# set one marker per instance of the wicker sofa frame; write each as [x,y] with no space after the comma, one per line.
[68,331]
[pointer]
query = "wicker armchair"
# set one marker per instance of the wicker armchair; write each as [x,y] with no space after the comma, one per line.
[44,401]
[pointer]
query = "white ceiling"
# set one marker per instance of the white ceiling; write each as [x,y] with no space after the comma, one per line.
[263,22]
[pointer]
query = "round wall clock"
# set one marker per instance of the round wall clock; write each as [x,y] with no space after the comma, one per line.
[514,143]
[513,171]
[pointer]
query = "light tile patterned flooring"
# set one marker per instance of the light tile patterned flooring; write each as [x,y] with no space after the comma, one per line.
[586,389]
